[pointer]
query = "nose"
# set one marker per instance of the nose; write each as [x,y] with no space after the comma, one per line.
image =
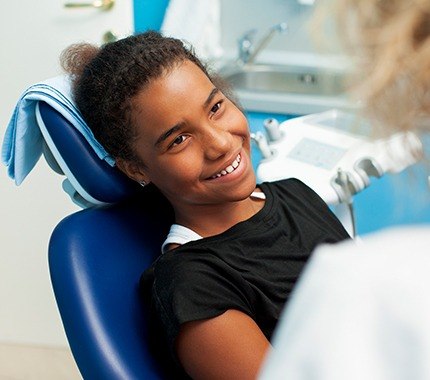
[217,142]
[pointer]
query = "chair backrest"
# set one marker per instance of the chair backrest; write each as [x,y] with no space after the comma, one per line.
[89,180]
[96,257]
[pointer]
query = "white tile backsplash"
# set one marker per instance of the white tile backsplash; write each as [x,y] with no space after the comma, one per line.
[238,16]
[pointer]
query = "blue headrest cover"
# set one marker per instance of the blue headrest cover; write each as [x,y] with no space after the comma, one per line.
[92,178]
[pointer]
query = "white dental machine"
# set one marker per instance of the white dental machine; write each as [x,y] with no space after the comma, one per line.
[333,153]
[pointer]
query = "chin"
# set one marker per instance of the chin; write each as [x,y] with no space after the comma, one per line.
[249,186]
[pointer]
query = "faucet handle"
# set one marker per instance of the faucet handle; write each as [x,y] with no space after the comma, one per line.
[281,27]
[249,35]
[245,43]
[248,50]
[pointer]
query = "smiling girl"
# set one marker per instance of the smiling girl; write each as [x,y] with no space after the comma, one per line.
[236,249]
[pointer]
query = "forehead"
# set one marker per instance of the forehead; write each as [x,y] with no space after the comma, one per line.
[167,99]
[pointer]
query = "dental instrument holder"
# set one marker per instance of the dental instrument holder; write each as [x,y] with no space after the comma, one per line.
[271,126]
[273,133]
[345,189]
[332,153]
[262,144]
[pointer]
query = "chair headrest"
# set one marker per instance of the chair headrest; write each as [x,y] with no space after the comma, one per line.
[90,180]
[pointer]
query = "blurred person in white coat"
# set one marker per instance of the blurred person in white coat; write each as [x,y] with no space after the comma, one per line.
[362,311]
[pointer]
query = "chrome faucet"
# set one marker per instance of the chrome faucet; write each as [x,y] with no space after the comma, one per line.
[248,50]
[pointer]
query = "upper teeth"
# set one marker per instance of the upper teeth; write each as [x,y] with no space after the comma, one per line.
[229,169]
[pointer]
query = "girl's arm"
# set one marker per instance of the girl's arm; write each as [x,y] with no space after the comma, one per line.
[230,346]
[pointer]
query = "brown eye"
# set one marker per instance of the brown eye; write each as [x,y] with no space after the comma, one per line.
[216,107]
[179,140]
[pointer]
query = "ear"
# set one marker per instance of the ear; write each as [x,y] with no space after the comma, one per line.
[132,169]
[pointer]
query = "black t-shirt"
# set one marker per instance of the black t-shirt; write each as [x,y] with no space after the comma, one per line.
[251,267]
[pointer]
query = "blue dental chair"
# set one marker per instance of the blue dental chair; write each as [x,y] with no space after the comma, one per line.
[96,257]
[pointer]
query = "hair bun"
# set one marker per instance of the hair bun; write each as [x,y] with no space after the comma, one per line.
[76,57]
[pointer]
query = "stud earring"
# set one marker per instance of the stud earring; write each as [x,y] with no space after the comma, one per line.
[142,183]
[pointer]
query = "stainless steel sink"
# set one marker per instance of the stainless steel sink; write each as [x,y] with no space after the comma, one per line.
[285,79]
[289,88]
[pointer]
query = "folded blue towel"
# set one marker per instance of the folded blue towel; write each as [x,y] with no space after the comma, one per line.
[23,141]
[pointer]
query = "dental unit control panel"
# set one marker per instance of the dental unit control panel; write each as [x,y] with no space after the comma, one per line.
[332,153]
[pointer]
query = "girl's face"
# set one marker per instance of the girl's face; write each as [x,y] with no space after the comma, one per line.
[193,141]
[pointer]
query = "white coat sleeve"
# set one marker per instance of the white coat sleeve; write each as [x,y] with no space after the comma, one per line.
[360,311]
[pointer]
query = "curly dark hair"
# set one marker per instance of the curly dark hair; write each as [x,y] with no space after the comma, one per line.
[107,78]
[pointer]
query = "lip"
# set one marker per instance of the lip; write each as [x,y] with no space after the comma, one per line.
[234,174]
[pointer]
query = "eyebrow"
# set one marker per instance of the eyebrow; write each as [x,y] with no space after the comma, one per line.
[177,127]
[210,97]
[166,134]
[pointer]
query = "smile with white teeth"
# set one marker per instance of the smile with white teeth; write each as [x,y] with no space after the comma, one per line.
[229,169]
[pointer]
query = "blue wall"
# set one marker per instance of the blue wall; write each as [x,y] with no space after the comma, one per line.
[148,14]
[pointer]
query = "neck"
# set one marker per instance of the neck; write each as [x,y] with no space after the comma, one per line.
[209,220]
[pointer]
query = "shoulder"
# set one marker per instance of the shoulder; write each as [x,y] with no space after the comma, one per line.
[193,275]
[291,186]
[293,191]
[184,260]
[288,183]
[189,286]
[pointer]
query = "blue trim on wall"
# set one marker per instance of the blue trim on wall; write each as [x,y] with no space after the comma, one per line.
[148,14]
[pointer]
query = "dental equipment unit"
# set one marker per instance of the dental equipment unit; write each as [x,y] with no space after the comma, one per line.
[333,154]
